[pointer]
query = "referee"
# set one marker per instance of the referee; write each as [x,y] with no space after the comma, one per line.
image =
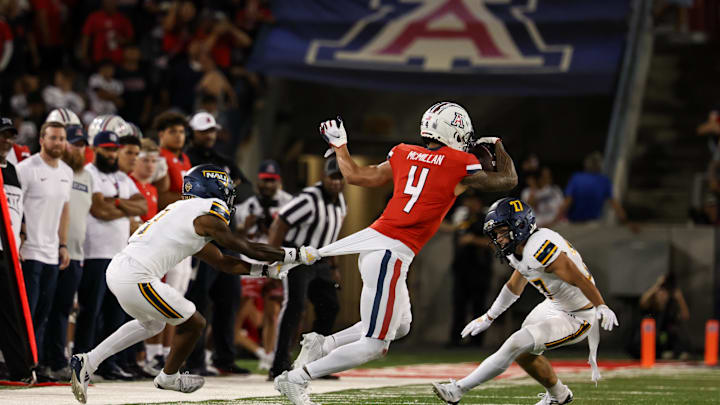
[314,217]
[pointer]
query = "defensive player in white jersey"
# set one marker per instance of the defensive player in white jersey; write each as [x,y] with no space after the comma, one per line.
[184,228]
[572,306]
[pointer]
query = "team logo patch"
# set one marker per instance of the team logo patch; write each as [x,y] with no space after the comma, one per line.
[458,121]
[457,36]
[220,176]
[188,187]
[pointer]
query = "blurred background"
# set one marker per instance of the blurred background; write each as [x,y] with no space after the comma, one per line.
[622,89]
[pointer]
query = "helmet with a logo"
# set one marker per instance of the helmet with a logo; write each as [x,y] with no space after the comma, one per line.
[209,181]
[449,124]
[109,122]
[517,216]
[63,116]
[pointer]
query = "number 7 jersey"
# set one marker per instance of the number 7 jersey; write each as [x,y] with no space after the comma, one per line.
[423,192]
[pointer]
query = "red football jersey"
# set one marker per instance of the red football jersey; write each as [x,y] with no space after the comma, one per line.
[177,167]
[151,196]
[424,190]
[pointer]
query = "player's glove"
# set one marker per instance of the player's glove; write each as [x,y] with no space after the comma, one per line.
[476,326]
[333,131]
[276,270]
[607,317]
[308,255]
[488,139]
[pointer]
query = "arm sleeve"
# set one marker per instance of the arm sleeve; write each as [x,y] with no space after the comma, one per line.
[297,211]
[220,210]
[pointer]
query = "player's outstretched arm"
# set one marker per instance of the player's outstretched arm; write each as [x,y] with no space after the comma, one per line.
[566,270]
[211,255]
[364,176]
[214,227]
[504,179]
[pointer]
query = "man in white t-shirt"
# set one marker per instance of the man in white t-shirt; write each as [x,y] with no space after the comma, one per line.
[115,199]
[69,279]
[46,182]
[545,197]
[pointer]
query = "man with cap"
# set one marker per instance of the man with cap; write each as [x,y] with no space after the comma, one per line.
[201,149]
[46,182]
[115,199]
[315,215]
[224,289]
[69,279]
[253,217]
[17,153]
[11,184]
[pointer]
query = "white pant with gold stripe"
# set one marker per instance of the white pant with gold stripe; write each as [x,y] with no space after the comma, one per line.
[148,299]
[552,328]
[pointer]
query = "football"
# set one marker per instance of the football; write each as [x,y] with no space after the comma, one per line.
[485,153]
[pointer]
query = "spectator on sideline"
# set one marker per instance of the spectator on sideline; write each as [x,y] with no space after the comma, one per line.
[665,302]
[545,197]
[46,182]
[107,31]
[471,266]
[253,217]
[224,289]
[11,183]
[587,192]
[128,153]
[61,94]
[316,216]
[69,279]
[13,191]
[115,198]
[171,133]
[104,90]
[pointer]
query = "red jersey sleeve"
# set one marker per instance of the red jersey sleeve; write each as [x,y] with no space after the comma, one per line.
[472,164]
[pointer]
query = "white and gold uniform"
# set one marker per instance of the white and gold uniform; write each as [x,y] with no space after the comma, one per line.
[559,320]
[157,246]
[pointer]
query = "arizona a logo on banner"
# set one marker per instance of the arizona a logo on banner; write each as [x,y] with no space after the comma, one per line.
[443,36]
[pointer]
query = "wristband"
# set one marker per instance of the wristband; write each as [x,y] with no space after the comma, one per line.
[502,302]
[117,202]
[290,255]
[62,245]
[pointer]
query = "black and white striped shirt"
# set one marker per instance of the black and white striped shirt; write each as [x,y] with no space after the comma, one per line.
[313,218]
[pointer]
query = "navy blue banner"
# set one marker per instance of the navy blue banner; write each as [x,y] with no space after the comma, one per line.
[520,47]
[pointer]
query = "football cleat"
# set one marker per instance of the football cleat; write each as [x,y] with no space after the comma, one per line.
[449,392]
[312,344]
[185,383]
[80,376]
[548,399]
[296,393]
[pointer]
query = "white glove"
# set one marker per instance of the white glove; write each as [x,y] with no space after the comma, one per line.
[308,255]
[276,270]
[333,131]
[489,139]
[607,317]
[476,326]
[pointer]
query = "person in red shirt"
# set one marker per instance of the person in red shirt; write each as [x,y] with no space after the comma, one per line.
[171,133]
[142,174]
[108,30]
[426,179]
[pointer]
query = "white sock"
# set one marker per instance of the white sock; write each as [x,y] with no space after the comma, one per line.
[299,376]
[520,342]
[559,390]
[126,336]
[260,353]
[152,350]
[345,336]
[348,356]
[165,351]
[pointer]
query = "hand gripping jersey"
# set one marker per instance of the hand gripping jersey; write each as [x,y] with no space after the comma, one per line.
[424,190]
[542,248]
[169,237]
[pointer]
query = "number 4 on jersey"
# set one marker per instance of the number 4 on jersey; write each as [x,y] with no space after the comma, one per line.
[414,191]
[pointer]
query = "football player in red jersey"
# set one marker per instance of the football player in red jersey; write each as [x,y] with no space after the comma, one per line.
[426,179]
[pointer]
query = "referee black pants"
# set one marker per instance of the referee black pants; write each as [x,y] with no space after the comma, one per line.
[315,283]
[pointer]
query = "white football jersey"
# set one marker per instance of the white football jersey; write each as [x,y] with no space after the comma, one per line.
[169,237]
[542,248]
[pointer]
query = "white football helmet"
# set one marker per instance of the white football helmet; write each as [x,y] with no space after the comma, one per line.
[63,116]
[113,123]
[449,124]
